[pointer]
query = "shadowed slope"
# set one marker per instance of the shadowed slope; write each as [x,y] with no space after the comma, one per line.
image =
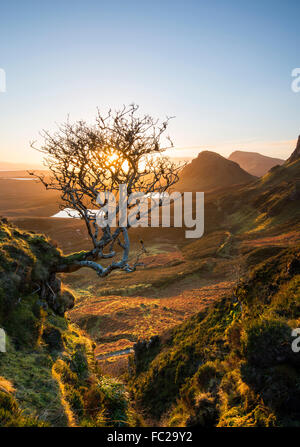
[254,163]
[210,171]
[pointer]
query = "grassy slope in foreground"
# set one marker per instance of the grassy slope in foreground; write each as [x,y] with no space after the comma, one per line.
[48,375]
[232,366]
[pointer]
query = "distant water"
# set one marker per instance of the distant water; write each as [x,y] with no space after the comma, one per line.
[69,213]
[20,178]
[115,353]
[16,178]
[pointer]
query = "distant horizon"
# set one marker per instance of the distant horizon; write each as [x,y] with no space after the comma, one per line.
[26,165]
[274,149]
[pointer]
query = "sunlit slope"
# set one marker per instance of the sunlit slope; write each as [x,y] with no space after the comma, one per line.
[269,204]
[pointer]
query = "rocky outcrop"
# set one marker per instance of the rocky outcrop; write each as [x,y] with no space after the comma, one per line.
[56,296]
[296,154]
[145,345]
[144,351]
[50,362]
[28,264]
[53,339]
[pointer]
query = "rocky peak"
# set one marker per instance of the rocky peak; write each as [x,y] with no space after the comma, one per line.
[296,154]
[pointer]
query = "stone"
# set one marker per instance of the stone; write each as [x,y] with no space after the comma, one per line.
[296,154]
[53,339]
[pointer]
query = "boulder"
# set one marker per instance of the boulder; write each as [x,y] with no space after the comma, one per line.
[53,339]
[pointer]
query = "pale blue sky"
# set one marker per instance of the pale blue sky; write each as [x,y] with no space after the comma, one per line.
[223,67]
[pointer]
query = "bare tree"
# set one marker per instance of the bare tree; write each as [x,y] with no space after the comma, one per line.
[84,160]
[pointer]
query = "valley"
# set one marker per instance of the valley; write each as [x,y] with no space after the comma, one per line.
[179,280]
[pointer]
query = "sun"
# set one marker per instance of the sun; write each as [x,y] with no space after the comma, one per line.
[115,161]
[113,157]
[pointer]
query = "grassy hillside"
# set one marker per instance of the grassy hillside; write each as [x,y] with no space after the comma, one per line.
[48,375]
[232,365]
[268,205]
[224,361]
[182,277]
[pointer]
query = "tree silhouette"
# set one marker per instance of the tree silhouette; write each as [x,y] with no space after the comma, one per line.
[84,161]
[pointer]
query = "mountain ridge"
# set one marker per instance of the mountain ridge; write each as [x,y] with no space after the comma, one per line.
[210,171]
[255,163]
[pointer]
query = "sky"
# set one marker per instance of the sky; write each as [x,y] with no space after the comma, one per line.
[221,67]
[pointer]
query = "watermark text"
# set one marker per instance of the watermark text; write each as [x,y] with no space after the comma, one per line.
[2,81]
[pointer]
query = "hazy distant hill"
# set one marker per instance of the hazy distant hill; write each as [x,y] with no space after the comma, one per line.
[8,166]
[21,195]
[254,163]
[211,171]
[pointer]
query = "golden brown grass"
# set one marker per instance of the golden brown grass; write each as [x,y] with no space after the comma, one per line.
[148,302]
